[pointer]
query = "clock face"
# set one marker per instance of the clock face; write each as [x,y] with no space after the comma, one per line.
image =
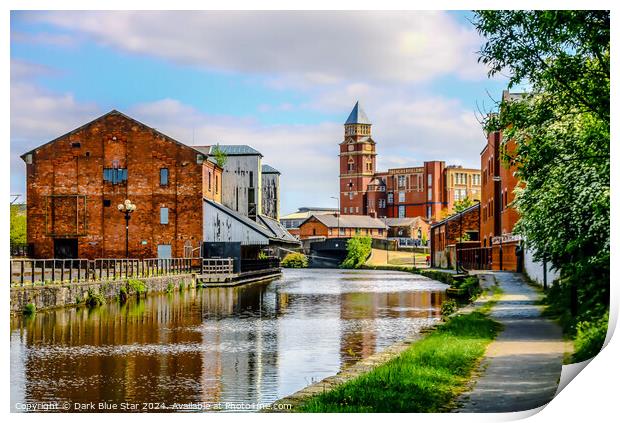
[351,147]
[368,147]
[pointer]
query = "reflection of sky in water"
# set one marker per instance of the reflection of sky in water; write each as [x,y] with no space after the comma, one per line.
[253,343]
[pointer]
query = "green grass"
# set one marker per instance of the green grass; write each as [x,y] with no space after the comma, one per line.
[424,378]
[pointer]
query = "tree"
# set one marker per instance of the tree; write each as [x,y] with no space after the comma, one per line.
[457,207]
[18,224]
[220,157]
[561,132]
[461,205]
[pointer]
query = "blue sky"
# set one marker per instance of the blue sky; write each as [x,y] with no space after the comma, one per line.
[282,82]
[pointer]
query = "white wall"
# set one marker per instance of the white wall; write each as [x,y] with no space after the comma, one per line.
[534,269]
[221,227]
[236,181]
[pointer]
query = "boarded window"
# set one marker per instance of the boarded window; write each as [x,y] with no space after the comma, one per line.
[115,175]
[163,176]
[164,251]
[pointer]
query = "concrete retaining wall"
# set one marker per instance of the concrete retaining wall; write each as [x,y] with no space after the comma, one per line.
[62,295]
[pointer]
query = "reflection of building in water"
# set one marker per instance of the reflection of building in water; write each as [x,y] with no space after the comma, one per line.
[113,353]
[360,307]
[157,350]
[240,356]
[362,310]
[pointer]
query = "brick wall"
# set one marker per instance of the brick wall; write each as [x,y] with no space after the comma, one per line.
[73,165]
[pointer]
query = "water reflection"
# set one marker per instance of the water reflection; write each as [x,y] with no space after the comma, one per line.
[254,343]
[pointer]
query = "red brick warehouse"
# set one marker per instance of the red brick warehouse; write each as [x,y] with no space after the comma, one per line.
[75,182]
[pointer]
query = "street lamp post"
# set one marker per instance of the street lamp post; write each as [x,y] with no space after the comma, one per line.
[127,208]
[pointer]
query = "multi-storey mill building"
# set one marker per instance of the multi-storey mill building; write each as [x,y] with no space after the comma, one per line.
[422,191]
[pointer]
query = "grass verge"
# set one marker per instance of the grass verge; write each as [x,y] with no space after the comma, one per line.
[426,377]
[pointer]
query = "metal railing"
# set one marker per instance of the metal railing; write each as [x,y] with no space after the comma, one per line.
[250,265]
[221,266]
[47,271]
[21,250]
[477,258]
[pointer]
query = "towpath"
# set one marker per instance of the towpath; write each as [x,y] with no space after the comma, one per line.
[522,366]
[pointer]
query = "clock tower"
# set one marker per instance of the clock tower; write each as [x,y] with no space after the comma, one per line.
[357,162]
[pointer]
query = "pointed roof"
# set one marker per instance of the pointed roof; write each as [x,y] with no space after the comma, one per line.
[112,112]
[357,115]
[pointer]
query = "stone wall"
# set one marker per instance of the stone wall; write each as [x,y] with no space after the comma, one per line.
[62,295]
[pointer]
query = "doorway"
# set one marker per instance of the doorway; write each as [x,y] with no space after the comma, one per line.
[66,248]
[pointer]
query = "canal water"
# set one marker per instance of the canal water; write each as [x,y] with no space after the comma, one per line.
[248,344]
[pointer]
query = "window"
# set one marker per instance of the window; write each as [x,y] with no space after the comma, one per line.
[357,210]
[369,166]
[429,182]
[382,203]
[430,195]
[164,251]
[106,203]
[350,167]
[163,215]
[217,189]
[163,176]
[251,179]
[401,211]
[401,196]
[390,198]
[115,175]
[209,180]
[350,196]
[76,145]
[429,212]
[401,181]
[341,231]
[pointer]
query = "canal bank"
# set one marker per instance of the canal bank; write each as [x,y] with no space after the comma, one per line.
[46,284]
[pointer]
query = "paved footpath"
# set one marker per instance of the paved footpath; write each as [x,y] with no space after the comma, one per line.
[522,366]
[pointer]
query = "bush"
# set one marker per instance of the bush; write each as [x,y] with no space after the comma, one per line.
[29,309]
[94,299]
[295,260]
[122,294]
[170,287]
[358,250]
[590,338]
[137,286]
[448,307]
[471,284]
[262,255]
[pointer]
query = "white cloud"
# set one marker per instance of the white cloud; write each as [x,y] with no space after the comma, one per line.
[38,116]
[306,47]
[408,132]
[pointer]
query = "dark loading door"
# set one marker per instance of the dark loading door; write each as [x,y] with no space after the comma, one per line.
[65,248]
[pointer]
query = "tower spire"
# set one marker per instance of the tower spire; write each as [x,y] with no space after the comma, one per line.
[357,116]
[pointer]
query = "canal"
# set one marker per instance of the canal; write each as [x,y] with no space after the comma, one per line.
[248,344]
